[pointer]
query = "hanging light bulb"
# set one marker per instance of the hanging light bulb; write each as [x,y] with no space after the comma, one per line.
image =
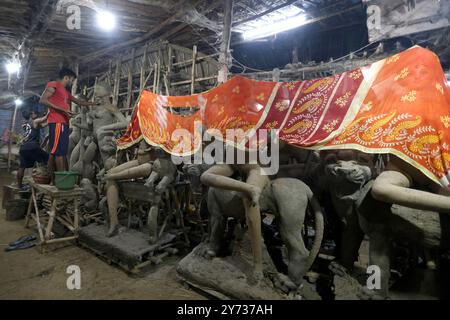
[13,67]
[106,20]
[18,102]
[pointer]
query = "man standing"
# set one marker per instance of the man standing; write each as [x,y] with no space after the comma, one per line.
[57,98]
[30,150]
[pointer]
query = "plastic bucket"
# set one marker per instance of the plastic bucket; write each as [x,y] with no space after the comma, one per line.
[65,180]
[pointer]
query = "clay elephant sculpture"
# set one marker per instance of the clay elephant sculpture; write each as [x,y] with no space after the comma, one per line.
[288,199]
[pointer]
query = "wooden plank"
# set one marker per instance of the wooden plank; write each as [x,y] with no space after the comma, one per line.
[196,80]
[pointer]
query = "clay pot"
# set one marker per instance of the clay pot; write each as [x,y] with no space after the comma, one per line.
[41,179]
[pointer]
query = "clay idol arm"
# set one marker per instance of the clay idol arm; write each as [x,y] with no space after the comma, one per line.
[394,187]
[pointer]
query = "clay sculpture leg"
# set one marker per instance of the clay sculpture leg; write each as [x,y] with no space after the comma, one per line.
[128,170]
[218,176]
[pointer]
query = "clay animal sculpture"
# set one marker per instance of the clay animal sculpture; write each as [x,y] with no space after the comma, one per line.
[389,209]
[345,174]
[219,176]
[392,209]
[288,199]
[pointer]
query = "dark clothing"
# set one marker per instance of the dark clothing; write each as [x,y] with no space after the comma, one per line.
[30,156]
[58,139]
[31,137]
[30,150]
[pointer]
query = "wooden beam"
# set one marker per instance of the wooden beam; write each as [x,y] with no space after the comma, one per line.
[183,25]
[225,43]
[264,13]
[13,127]
[143,68]
[179,10]
[194,62]
[155,77]
[130,80]
[169,68]
[117,80]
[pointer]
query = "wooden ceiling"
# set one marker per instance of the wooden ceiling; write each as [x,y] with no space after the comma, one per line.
[36,32]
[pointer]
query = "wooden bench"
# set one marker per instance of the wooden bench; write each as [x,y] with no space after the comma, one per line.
[45,217]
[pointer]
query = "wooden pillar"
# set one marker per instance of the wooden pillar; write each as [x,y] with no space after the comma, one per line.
[225,44]
[155,75]
[12,128]
[194,63]
[130,80]
[169,68]
[143,67]
[158,71]
[117,80]
[110,76]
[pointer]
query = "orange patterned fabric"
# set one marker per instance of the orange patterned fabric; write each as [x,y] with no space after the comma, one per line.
[399,105]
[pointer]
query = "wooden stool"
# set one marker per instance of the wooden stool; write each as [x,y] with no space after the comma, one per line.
[48,215]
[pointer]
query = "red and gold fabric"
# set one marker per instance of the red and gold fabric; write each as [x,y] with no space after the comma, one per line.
[399,105]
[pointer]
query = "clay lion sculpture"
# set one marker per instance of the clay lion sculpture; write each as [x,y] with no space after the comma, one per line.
[288,199]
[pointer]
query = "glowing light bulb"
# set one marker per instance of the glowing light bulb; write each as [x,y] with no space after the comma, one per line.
[12,67]
[106,20]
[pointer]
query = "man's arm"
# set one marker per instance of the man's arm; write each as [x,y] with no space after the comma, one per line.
[44,100]
[82,102]
[40,122]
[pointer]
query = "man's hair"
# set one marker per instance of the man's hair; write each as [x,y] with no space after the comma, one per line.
[26,114]
[66,72]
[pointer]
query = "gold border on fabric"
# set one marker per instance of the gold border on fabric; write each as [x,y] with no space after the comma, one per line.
[358,100]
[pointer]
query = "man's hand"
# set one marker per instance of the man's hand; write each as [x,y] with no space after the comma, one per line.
[70,114]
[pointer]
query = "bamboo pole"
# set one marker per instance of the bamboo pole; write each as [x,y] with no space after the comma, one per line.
[12,128]
[130,80]
[155,76]
[143,67]
[194,62]
[225,44]
[117,80]
[169,68]
[158,78]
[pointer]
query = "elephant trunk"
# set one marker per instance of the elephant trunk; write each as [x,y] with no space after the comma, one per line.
[319,227]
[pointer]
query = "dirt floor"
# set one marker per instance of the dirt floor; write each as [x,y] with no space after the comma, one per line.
[28,274]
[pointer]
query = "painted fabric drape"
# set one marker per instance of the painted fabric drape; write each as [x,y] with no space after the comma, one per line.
[398,105]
